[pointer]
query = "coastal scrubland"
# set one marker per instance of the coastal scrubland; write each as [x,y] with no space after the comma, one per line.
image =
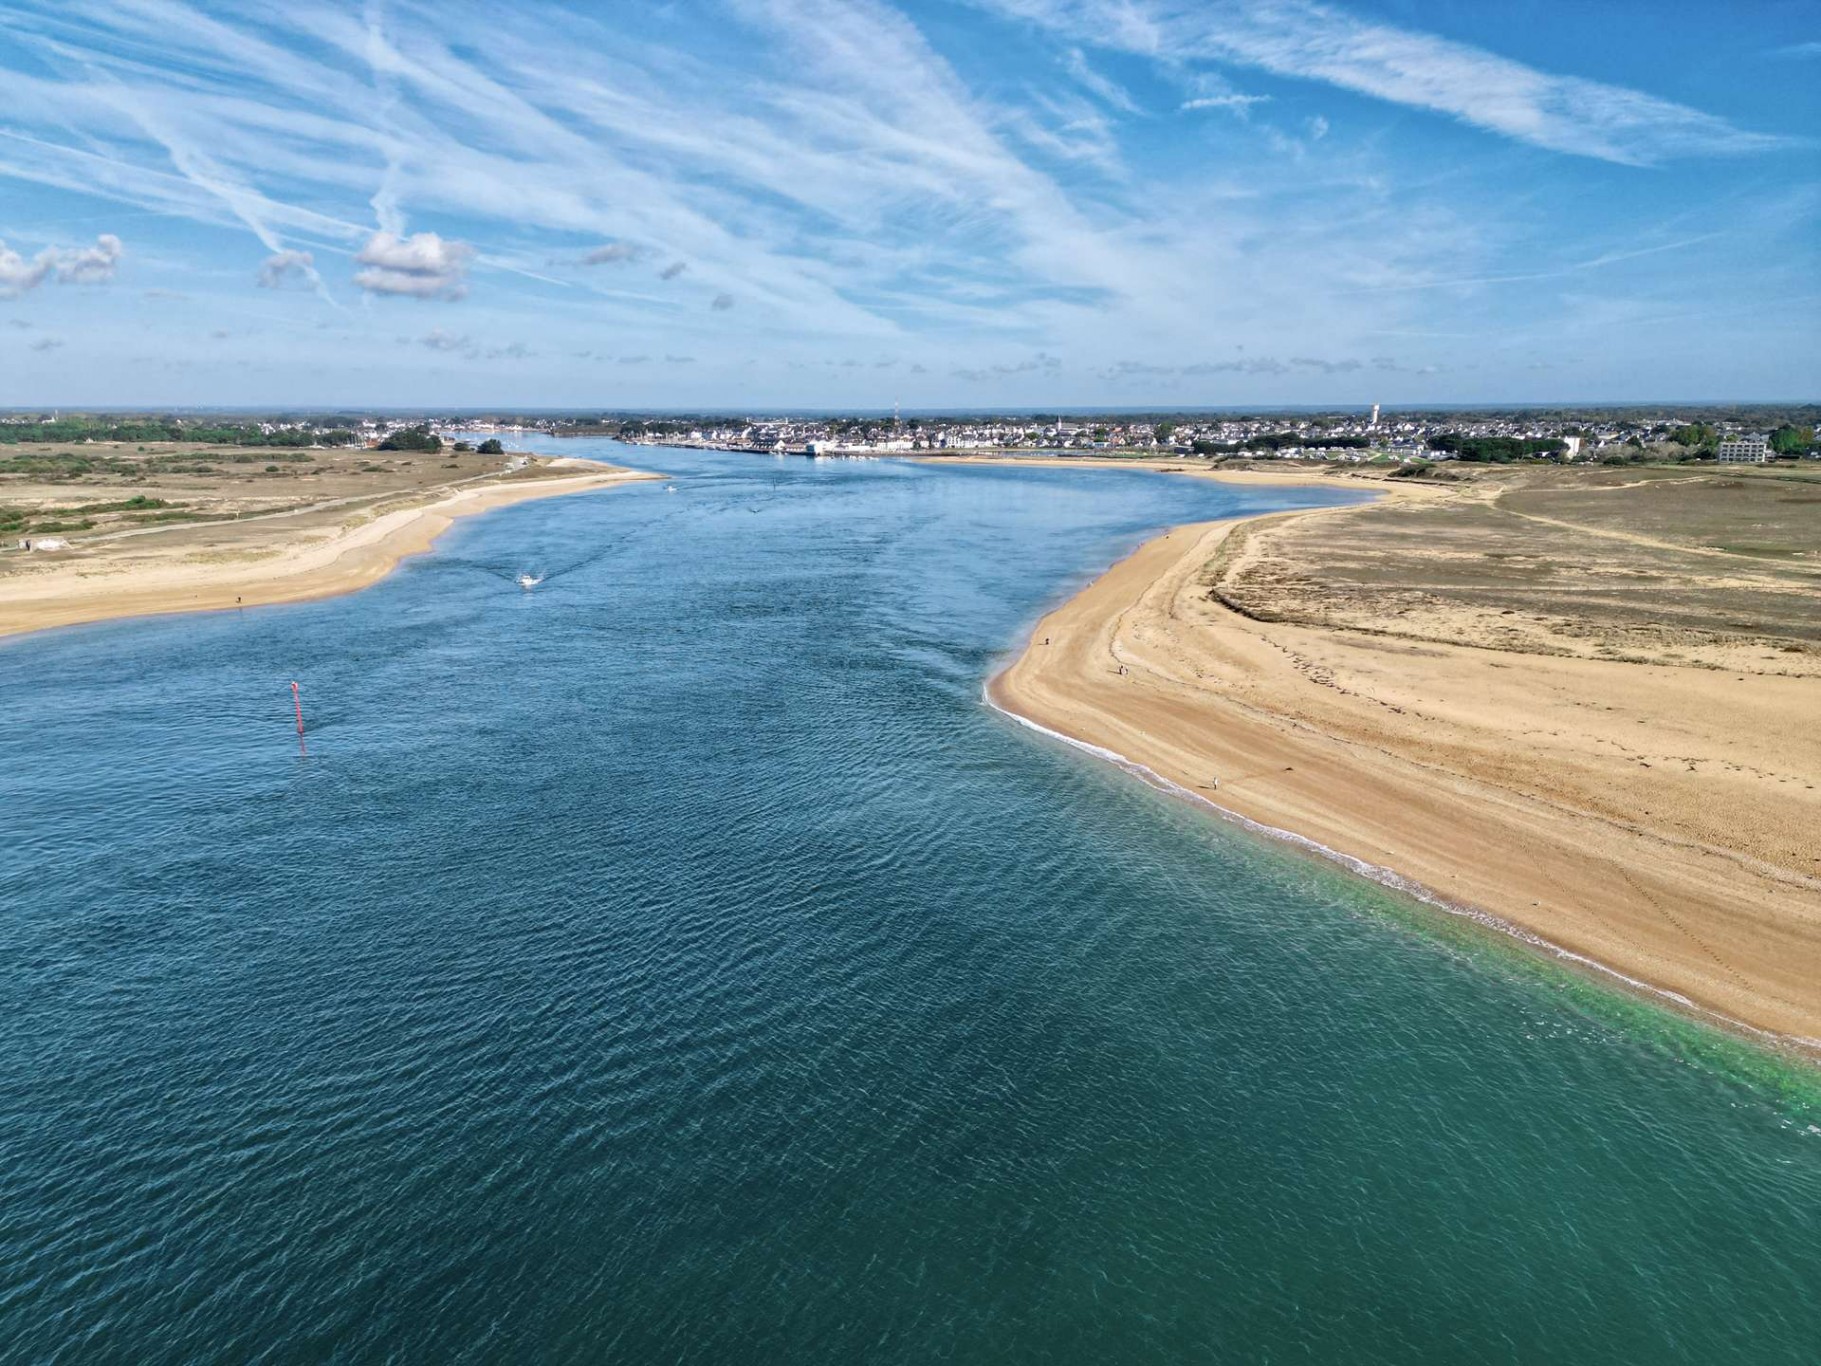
[94,489]
[1720,569]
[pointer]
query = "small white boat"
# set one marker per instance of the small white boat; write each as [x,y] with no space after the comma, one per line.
[529,581]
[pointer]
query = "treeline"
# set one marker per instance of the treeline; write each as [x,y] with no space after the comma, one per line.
[76,429]
[412,439]
[1497,450]
[1283,441]
[1702,440]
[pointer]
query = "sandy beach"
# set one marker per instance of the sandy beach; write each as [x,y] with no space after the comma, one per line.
[1659,822]
[262,561]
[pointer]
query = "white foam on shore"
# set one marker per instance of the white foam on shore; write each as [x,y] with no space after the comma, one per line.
[1396,881]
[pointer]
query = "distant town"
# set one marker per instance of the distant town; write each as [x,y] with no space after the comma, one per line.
[1751,435]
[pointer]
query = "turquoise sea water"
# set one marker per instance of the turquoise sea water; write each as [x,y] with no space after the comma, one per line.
[678,963]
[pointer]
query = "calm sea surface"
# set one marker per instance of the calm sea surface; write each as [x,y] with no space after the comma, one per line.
[678,963]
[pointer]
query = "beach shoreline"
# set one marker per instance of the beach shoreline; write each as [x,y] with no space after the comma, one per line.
[1143,669]
[1329,476]
[306,565]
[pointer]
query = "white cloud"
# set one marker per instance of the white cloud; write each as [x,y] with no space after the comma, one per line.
[282,267]
[1308,40]
[439,340]
[77,266]
[1239,104]
[17,275]
[421,266]
[90,265]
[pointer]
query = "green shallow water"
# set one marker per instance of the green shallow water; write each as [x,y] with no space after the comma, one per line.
[679,963]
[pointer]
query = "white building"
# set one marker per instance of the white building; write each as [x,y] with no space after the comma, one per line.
[1745,450]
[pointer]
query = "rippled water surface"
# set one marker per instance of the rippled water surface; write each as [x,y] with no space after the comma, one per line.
[678,963]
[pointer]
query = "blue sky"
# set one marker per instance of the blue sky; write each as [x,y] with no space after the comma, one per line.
[956,202]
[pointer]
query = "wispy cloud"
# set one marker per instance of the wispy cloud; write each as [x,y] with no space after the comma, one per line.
[1603,259]
[1108,90]
[860,180]
[1307,40]
[1040,364]
[460,344]
[1261,366]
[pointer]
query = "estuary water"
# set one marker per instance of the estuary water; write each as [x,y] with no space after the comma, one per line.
[677,962]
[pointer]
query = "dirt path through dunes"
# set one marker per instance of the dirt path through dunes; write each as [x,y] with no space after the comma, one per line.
[1628,537]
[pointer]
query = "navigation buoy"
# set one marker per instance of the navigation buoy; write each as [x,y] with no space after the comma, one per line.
[297,705]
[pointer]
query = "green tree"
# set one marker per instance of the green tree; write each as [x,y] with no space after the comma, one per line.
[1498,450]
[412,439]
[1788,440]
[491,446]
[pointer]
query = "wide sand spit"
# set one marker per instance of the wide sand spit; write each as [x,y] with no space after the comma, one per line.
[290,563]
[1496,783]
